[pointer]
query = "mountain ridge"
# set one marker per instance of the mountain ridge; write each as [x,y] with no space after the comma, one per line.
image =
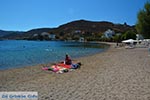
[70,27]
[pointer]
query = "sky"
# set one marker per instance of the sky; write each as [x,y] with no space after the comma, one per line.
[24,15]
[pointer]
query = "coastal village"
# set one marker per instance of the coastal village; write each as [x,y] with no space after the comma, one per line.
[82,31]
[122,34]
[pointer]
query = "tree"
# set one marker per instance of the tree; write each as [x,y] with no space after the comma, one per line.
[143,23]
[117,38]
[128,35]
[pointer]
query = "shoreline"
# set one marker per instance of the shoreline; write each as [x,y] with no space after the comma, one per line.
[50,63]
[117,73]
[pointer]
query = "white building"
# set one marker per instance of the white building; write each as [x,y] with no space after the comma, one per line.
[45,34]
[139,37]
[52,36]
[109,33]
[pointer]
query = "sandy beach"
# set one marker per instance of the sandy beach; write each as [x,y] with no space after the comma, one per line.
[117,74]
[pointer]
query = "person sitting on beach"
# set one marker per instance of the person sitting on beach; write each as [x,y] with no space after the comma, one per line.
[68,61]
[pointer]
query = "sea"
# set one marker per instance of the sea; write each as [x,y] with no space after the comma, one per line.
[21,53]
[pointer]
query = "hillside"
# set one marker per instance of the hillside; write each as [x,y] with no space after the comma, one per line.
[80,26]
[94,27]
[10,34]
[5,33]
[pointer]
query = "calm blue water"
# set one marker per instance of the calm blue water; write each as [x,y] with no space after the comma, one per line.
[20,53]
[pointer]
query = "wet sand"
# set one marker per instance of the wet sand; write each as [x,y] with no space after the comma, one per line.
[117,74]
